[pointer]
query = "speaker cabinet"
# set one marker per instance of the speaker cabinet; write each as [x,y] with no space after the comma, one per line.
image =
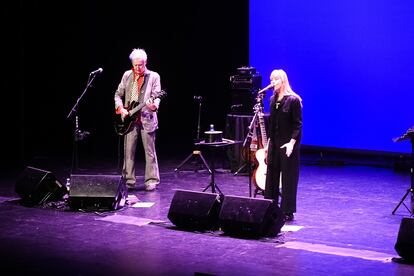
[97,192]
[36,187]
[250,217]
[405,241]
[194,210]
[243,88]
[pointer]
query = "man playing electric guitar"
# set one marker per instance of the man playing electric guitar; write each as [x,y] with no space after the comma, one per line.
[124,123]
[140,85]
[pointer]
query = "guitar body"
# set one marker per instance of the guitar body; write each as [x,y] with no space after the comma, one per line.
[249,153]
[261,170]
[123,124]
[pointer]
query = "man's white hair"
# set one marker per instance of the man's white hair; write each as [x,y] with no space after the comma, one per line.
[138,54]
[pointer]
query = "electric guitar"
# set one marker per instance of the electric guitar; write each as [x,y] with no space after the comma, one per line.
[123,123]
[260,172]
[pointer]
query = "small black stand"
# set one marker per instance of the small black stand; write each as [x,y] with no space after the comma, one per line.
[195,153]
[78,134]
[409,135]
[214,147]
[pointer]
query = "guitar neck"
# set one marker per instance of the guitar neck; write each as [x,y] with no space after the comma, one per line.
[262,128]
[137,108]
[159,95]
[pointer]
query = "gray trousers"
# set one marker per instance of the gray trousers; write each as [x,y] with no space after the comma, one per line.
[152,174]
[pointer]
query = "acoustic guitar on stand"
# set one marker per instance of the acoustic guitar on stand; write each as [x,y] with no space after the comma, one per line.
[261,170]
[123,123]
[249,152]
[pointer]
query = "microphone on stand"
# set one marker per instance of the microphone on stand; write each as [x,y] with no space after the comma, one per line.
[268,87]
[97,71]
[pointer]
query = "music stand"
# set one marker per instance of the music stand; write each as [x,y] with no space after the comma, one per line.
[213,147]
[408,135]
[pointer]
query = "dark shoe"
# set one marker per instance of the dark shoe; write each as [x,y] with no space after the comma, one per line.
[130,185]
[289,216]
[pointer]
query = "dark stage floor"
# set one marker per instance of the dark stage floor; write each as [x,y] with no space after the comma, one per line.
[343,226]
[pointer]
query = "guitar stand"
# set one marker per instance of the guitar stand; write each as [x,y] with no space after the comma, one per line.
[241,168]
[246,162]
[408,135]
[258,191]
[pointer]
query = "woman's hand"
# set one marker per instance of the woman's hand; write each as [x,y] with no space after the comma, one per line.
[289,147]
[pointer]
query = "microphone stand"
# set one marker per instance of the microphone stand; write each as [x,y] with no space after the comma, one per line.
[246,143]
[196,153]
[198,120]
[78,134]
[257,108]
[409,135]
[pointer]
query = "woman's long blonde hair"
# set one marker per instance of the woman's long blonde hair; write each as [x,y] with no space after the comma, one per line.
[285,87]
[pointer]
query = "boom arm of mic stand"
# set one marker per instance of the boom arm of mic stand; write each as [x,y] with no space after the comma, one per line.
[75,107]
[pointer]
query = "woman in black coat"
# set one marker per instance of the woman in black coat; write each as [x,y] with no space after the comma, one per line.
[283,152]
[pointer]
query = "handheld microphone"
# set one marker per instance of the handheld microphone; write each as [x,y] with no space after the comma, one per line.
[97,71]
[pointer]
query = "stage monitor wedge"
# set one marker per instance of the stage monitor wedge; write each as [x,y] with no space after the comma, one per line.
[97,192]
[250,217]
[191,210]
[37,187]
[405,240]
